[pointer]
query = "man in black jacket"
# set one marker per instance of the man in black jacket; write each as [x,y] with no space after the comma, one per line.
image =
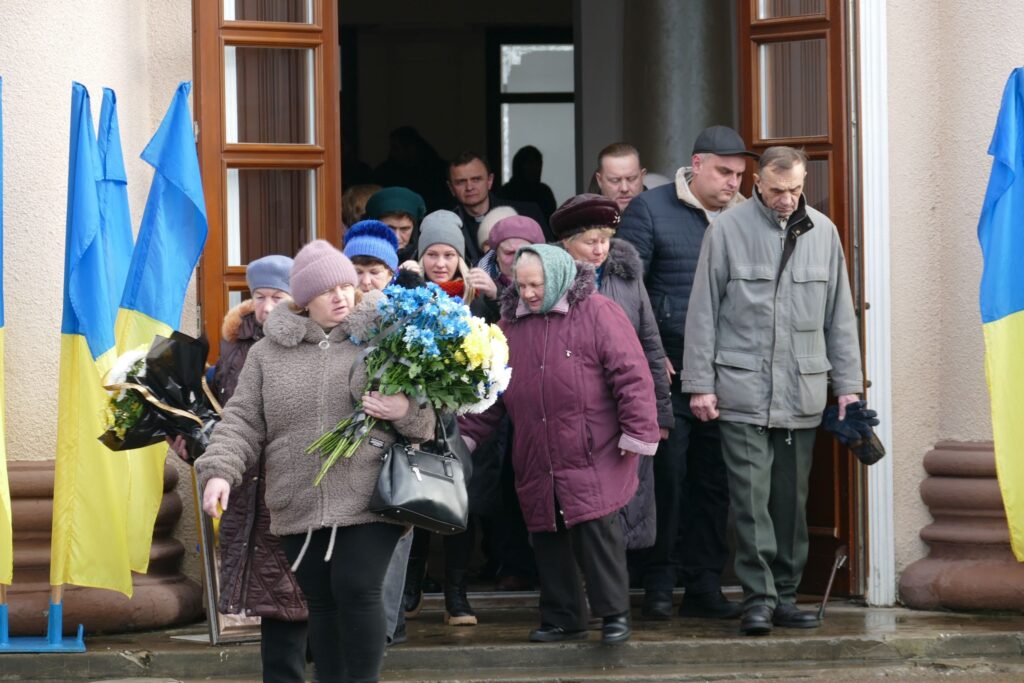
[666,225]
[470,180]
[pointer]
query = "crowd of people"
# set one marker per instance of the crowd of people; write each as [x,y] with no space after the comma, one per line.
[670,350]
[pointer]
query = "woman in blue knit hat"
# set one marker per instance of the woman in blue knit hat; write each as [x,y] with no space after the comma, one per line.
[373,248]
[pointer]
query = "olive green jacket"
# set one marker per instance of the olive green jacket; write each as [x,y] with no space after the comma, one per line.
[765,341]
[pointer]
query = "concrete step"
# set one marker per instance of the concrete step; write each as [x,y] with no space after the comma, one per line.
[496,651]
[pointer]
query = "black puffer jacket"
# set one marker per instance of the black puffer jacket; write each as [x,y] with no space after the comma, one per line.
[666,225]
[255,578]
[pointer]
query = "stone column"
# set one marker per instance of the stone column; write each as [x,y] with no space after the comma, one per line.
[162,597]
[970,565]
[679,76]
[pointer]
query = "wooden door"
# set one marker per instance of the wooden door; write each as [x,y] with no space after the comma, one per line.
[267,125]
[793,91]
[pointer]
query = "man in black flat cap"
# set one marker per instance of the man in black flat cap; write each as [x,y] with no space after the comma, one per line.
[666,225]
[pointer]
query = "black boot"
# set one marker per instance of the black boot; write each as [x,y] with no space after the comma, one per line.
[457,610]
[412,598]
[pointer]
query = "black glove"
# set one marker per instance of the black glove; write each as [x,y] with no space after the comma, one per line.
[855,431]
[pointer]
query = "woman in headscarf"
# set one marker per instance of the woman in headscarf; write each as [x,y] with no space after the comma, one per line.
[581,402]
[585,225]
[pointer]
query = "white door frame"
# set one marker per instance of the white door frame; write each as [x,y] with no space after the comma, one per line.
[874,181]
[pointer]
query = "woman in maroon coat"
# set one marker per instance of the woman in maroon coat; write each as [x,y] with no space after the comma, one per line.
[582,403]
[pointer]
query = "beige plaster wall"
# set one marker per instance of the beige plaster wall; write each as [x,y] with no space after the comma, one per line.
[948,63]
[141,50]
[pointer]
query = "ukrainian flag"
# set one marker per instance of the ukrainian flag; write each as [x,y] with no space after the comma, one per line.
[89,544]
[171,238]
[1001,233]
[6,531]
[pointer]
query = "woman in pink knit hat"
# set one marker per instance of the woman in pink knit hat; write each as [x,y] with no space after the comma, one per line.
[296,384]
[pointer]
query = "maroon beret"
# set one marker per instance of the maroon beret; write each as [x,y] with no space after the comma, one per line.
[523,227]
[583,212]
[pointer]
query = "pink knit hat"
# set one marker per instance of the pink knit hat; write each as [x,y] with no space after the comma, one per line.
[319,267]
[523,227]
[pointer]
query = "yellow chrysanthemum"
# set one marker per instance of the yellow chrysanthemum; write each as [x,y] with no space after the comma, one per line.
[477,344]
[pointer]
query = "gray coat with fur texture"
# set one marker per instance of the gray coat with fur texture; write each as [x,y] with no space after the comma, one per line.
[293,388]
[622,282]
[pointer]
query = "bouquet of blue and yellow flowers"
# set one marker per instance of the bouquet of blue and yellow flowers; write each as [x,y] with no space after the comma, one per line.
[429,347]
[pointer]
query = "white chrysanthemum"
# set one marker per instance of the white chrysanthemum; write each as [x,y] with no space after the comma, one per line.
[124,364]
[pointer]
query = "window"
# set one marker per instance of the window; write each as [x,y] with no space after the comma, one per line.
[533,94]
[268,132]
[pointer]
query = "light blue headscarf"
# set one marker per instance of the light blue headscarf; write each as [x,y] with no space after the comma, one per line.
[559,271]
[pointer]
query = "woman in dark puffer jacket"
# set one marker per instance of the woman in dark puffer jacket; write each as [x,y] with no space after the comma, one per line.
[255,579]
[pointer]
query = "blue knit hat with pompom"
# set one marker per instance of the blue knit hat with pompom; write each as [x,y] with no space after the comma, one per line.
[373,239]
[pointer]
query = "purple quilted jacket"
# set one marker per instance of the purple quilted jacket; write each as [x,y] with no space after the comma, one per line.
[581,390]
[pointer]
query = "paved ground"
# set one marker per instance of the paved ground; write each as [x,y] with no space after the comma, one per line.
[854,644]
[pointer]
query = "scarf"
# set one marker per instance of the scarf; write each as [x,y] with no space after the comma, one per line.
[453,287]
[559,272]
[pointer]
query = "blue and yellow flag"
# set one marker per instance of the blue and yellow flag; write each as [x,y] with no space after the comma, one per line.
[1001,233]
[115,216]
[6,530]
[89,544]
[170,241]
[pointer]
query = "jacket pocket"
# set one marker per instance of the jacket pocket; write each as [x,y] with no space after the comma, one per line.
[280,475]
[748,271]
[812,384]
[809,286]
[738,380]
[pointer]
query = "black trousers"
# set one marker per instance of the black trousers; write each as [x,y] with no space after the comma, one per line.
[510,543]
[691,489]
[599,549]
[458,551]
[283,650]
[346,613]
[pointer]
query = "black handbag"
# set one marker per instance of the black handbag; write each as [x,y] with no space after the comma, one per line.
[425,486]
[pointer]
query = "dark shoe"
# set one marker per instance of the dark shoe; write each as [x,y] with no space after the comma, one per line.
[555,634]
[615,629]
[712,605]
[412,596]
[513,583]
[457,611]
[790,616]
[756,621]
[657,605]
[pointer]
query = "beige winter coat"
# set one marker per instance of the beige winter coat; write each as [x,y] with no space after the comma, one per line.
[295,386]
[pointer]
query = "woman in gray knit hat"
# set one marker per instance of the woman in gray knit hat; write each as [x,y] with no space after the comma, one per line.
[299,380]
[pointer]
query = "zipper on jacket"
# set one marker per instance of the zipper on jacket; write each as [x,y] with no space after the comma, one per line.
[775,313]
[324,346]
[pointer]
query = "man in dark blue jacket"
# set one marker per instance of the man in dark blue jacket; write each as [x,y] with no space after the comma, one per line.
[666,225]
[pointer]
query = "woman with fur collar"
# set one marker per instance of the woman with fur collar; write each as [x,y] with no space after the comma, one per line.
[296,384]
[254,576]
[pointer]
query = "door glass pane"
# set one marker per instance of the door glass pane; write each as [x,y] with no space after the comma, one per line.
[551,129]
[237,296]
[793,88]
[268,95]
[269,211]
[816,186]
[537,68]
[292,11]
[775,9]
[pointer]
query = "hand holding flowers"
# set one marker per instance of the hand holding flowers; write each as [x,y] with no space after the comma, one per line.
[428,349]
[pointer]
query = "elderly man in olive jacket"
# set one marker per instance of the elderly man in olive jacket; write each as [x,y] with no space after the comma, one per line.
[770,317]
